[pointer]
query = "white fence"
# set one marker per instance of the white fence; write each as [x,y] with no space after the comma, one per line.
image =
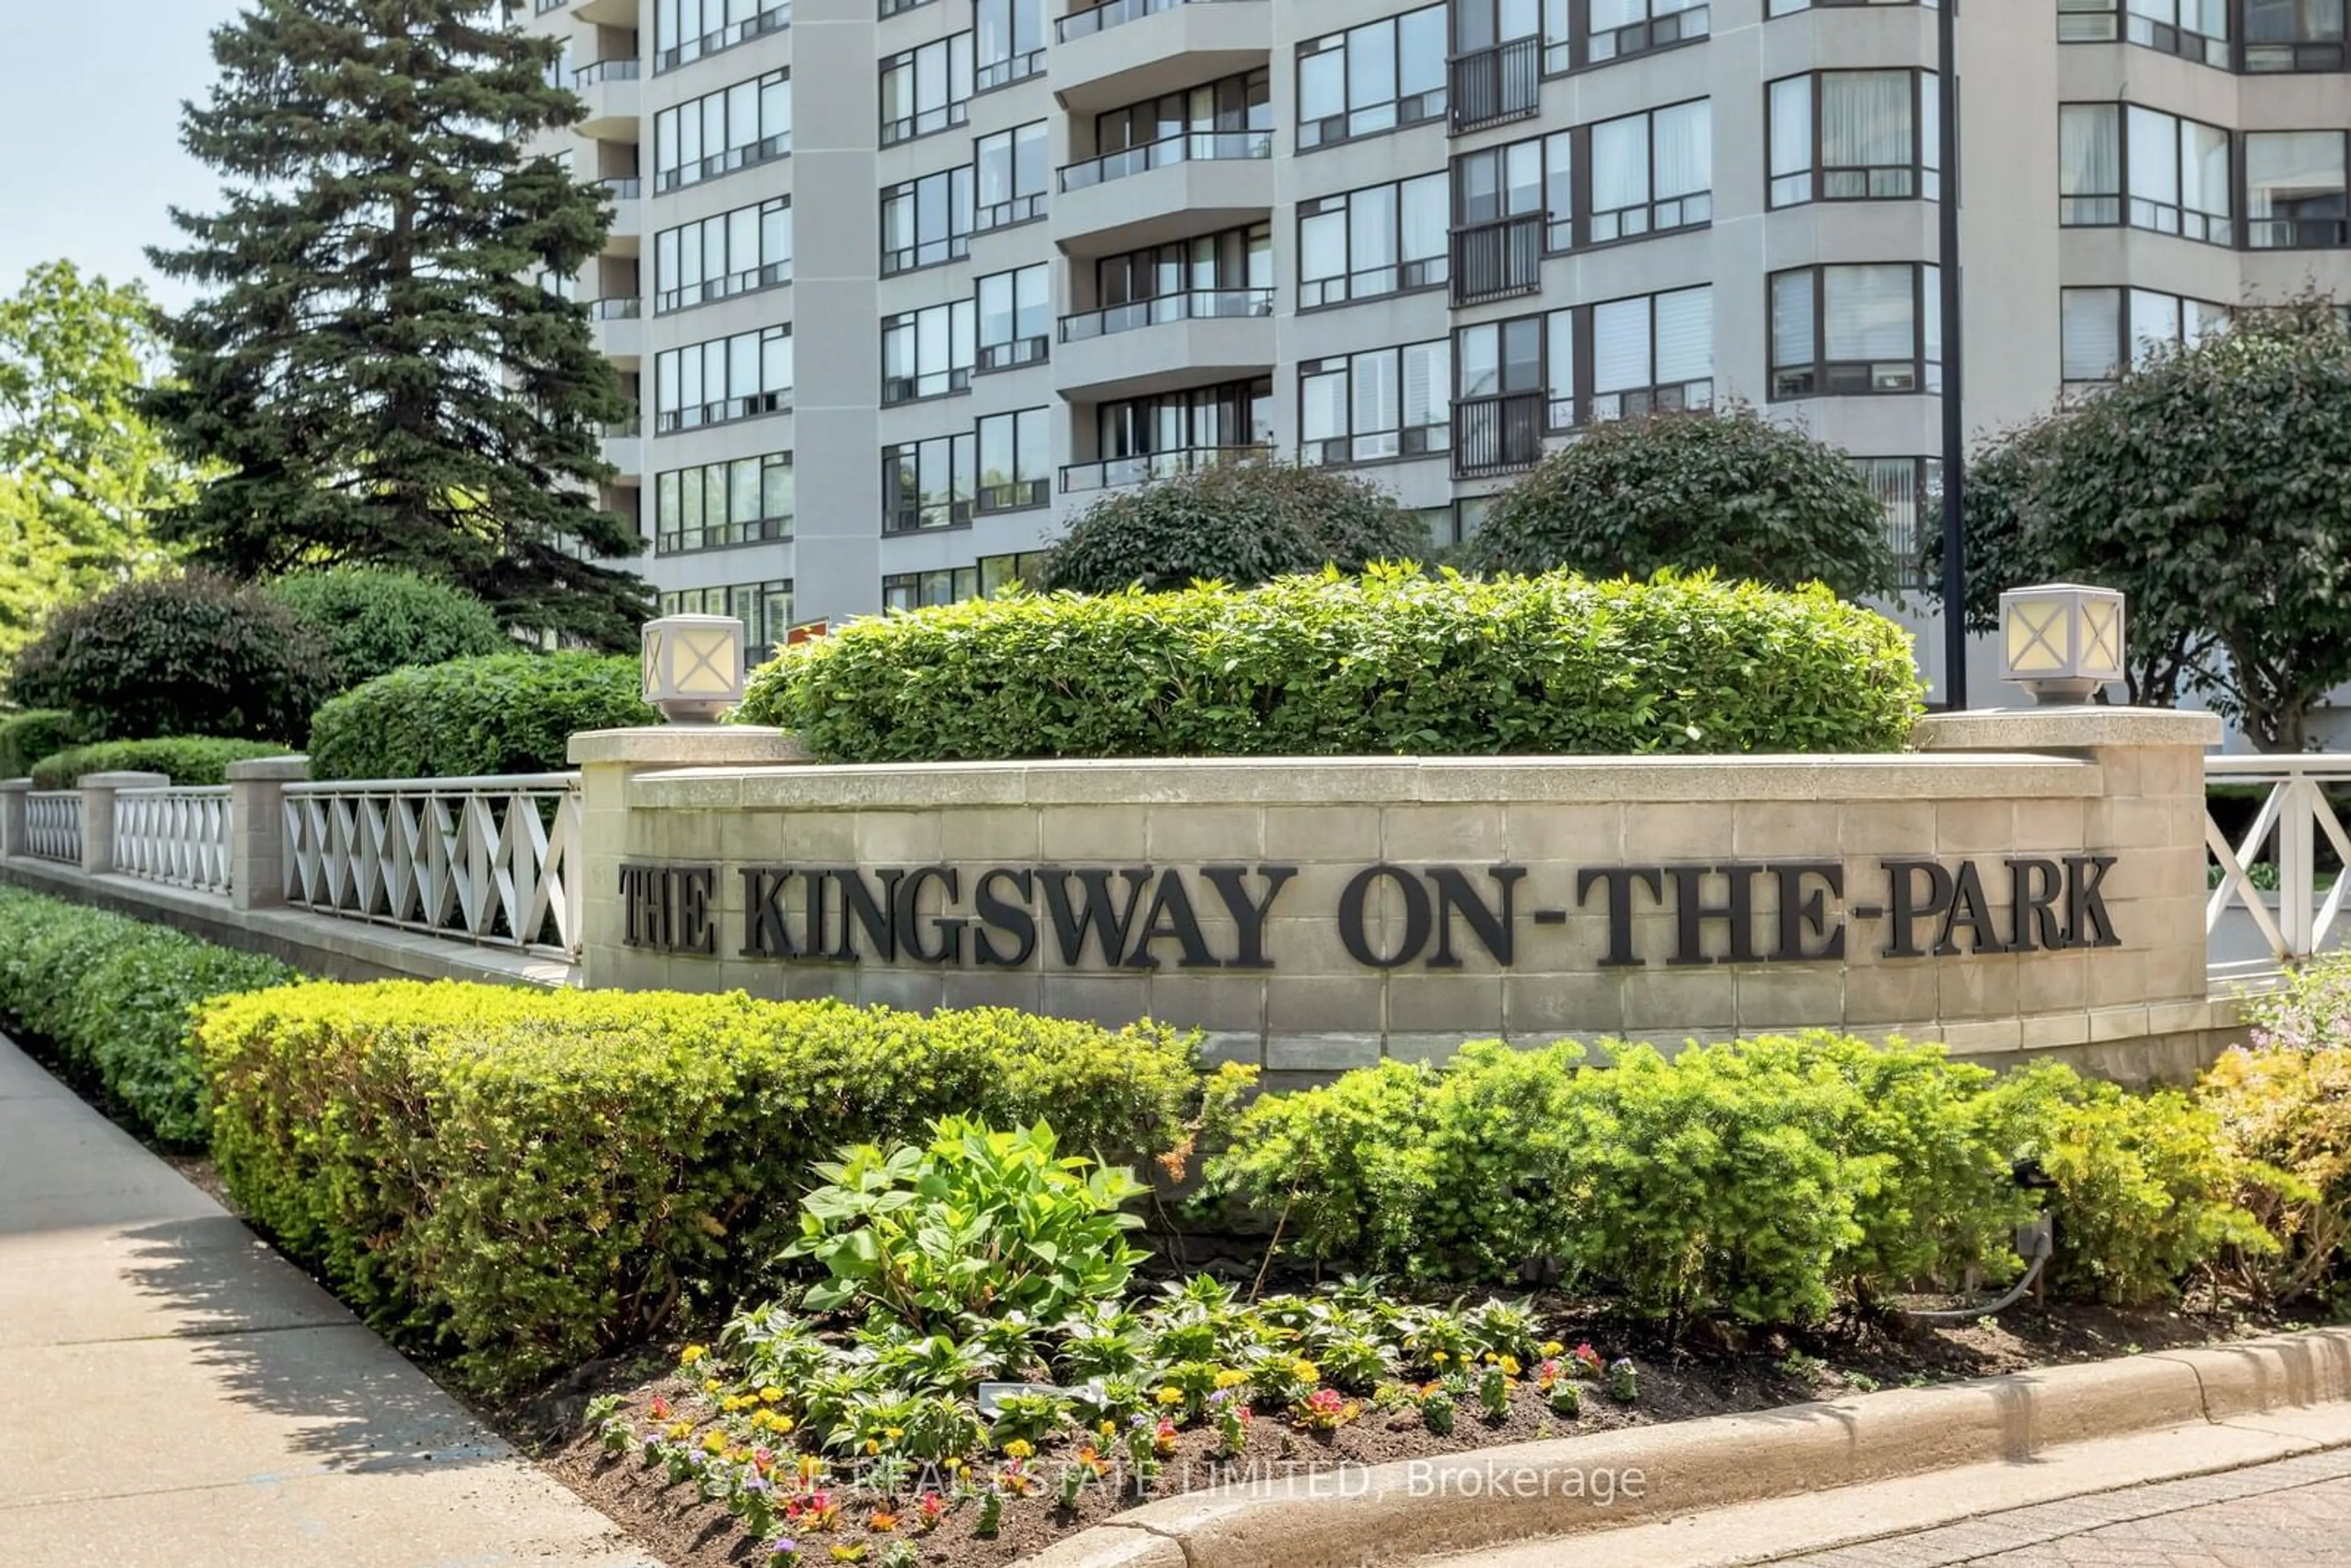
[53,825]
[494,861]
[180,837]
[2297,918]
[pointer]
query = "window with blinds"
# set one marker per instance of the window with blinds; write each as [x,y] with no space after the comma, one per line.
[1372,407]
[1853,136]
[2103,329]
[1858,330]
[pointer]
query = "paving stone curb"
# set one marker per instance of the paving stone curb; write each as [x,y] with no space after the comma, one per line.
[1415,1508]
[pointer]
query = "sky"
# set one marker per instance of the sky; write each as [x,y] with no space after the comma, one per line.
[89,98]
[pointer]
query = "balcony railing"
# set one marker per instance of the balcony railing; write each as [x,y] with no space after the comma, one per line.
[1496,260]
[624,429]
[586,76]
[2298,234]
[1196,305]
[773,19]
[1493,86]
[623,188]
[619,308]
[1192,147]
[1115,473]
[1116,13]
[1499,435]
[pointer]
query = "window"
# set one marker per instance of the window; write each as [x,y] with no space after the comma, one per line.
[928,590]
[1011,41]
[926,90]
[1854,136]
[928,353]
[763,608]
[1845,331]
[1000,574]
[1621,28]
[2294,36]
[2192,29]
[1387,239]
[748,123]
[1228,118]
[685,30]
[735,252]
[1370,79]
[1648,354]
[1012,177]
[1015,318]
[928,483]
[2103,329]
[1911,490]
[1174,433]
[1383,403]
[1515,381]
[1229,273]
[1523,180]
[2122,164]
[1015,460]
[926,222]
[726,379]
[1651,171]
[2294,190]
[743,502]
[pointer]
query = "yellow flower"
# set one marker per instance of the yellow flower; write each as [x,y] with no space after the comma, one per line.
[954,1464]
[1019,1448]
[691,1354]
[1552,1347]
[732,1402]
[771,1394]
[894,1433]
[1229,1378]
[1489,1358]
[680,1430]
[1438,1356]
[1510,1366]
[715,1442]
[1171,1396]
[1306,1371]
[710,1386]
[872,1446]
[1110,1429]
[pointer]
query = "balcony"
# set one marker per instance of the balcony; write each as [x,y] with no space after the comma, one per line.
[1501,435]
[1128,50]
[1119,472]
[1498,261]
[613,91]
[627,195]
[618,327]
[624,447]
[1494,87]
[1188,185]
[1165,344]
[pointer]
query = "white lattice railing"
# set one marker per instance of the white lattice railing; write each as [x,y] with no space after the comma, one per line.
[178,836]
[2296,815]
[53,825]
[495,861]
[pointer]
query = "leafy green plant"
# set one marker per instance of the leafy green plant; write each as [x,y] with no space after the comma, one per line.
[187,759]
[2311,1011]
[375,620]
[979,1221]
[2285,1118]
[508,712]
[1392,663]
[1028,1417]
[30,734]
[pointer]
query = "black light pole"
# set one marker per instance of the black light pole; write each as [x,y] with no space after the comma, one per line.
[1955,430]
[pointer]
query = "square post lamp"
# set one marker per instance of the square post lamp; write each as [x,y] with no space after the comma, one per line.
[2062,642]
[693,666]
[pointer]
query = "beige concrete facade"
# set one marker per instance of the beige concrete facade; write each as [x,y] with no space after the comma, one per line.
[1537,838]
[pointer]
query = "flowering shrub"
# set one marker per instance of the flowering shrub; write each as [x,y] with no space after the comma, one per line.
[2312,1012]
[2286,1112]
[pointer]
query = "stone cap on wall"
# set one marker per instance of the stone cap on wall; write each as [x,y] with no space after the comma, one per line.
[2076,728]
[270,771]
[124,781]
[1322,781]
[688,745]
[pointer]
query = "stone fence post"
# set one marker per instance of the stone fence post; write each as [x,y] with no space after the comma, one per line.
[98,793]
[12,816]
[256,810]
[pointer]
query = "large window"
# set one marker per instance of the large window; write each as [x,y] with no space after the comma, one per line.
[1844,332]
[1012,177]
[1229,273]
[1174,433]
[1000,574]
[2296,190]
[1386,239]
[928,483]
[1380,404]
[2103,329]
[726,379]
[763,608]
[720,132]
[926,90]
[1373,78]
[1651,171]
[1015,460]
[685,30]
[1530,179]
[1516,381]
[1853,136]
[2121,163]
[1232,117]
[929,590]
[2193,29]
[1016,318]
[747,501]
[928,353]
[1616,28]
[1011,41]
[2294,36]
[735,252]
[926,222]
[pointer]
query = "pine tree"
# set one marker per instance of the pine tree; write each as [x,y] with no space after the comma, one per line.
[374,364]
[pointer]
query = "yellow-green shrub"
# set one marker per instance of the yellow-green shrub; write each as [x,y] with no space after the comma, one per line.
[533,1176]
[2286,1113]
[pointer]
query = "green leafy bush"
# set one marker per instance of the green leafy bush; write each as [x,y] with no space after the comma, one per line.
[975,1221]
[508,712]
[185,759]
[375,620]
[1239,524]
[1394,663]
[1727,491]
[2311,1011]
[190,654]
[25,738]
[2285,1116]
[533,1176]
[115,997]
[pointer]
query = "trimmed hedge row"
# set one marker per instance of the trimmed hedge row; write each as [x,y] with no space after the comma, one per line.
[1392,663]
[115,997]
[185,759]
[506,713]
[531,1178]
[27,737]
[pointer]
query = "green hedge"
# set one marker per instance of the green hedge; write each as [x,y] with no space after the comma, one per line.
[530,1177]
[375,620]
[25,738]
[114,997]
[1393,663]
[185,759]
[508,712]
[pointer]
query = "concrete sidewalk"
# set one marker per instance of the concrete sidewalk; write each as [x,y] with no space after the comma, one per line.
[173,1394]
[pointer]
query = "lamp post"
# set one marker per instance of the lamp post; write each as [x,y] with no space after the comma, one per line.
[693,666]
[1955,430]
[2060,640]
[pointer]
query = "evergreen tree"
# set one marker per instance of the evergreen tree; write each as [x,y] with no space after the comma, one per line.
[375,366]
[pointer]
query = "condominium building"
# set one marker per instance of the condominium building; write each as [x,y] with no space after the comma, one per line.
[902,285]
